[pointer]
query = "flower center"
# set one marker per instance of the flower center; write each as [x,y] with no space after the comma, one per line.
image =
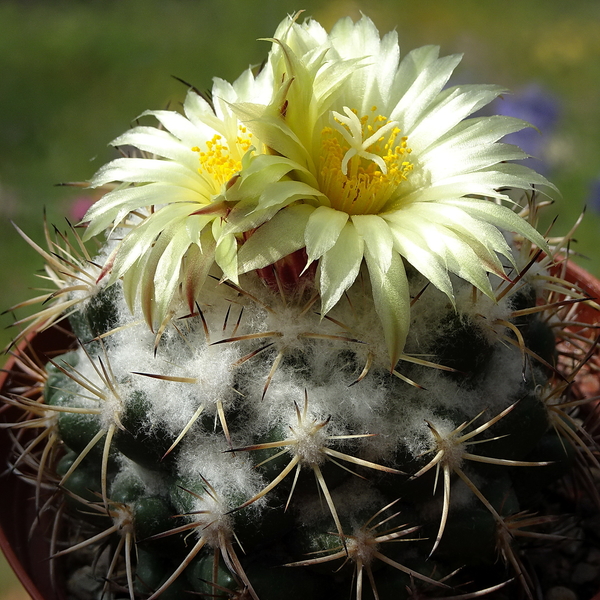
[220,161]
[363,161]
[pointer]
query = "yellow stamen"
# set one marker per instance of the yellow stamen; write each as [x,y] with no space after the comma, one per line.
[363,161]
[220,161]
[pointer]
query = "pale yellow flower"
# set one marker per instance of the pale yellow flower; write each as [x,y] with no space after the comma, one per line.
[375,159]
[170,203]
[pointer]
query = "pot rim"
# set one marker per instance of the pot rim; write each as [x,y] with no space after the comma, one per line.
[5,544]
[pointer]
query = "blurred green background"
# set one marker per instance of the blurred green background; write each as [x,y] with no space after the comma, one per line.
[75,74]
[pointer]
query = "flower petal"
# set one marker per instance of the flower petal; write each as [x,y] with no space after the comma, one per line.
[450,108]
[283,193]
[266,125]
[260,171]
[416,251]
[226,252]
[189,133]
[154,306]
[116,205]
[168,269]
[322,231]
[141,239]
[485,182]
[197,263]
[467,227]
[392,302]
[135,170]
[456,254]
[277,238]
[501,216]
[159,142]
[429,81]
[378,239]
[339,267]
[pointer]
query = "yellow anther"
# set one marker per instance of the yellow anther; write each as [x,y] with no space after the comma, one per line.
[220,162]
[360,172]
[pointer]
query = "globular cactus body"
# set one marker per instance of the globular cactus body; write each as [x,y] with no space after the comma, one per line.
[252,424]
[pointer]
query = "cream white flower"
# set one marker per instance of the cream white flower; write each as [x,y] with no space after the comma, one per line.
[380,163]
[172,197]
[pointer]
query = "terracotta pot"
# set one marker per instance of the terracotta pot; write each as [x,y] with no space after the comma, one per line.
[29,556]
[590,382]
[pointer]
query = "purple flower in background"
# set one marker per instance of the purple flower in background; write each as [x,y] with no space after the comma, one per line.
[539,107]
[593,199]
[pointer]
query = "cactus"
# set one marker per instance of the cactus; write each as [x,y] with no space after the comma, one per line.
[322,349]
